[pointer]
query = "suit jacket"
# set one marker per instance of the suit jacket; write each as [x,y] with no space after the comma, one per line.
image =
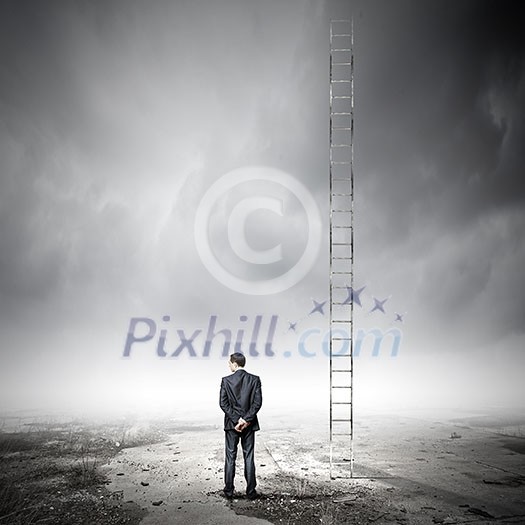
[241,396]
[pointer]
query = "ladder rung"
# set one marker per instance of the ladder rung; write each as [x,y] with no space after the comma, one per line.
[346,179]
[341,81]
[341,63]
[341,113]
[341,129]
[341,338]
[339,227]
[341,434]
[341,355]
[341,386]
[341,34]
[345,258]
[341,402]
[341,194]
[341,244]
[340,163]
[344,304]
[341,273]
[339,420]
[340,96]
[340,145]
[342,49]
[342,370]
[339,287]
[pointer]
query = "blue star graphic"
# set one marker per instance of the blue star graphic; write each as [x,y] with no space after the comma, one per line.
[399,317]
[292,326]
[379,305]
[318,307]
[353,295]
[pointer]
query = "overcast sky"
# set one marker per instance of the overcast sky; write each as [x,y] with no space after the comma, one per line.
[117,118]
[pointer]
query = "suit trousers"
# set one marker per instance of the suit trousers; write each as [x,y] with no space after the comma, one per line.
[247,438]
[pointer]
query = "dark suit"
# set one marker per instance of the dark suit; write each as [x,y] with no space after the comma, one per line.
[241,397]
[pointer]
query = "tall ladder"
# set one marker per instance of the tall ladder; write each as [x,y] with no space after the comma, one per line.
[341,248]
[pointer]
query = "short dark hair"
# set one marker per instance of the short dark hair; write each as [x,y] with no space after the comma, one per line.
[238,358]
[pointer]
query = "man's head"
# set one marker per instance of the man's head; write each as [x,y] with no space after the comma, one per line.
[237,360]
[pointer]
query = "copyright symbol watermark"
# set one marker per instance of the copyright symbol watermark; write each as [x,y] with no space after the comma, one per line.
[249,228]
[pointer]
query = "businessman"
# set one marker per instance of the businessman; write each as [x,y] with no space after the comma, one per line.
[240,400]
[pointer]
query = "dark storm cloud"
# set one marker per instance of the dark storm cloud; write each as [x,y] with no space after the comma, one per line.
[440,98]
